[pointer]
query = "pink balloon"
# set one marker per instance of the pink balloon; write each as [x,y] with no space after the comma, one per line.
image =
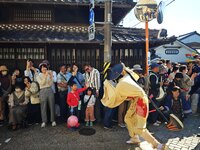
[72,121]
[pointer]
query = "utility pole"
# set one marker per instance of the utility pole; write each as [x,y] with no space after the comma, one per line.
[107,30]
[107,35]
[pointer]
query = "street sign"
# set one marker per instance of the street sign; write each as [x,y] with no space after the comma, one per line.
[91,16]
[91,31]
[91,28]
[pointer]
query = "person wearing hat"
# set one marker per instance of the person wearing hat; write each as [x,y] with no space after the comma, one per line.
[6,88]
[139,71]
[154,88]
[31,71]
[54,75]
[136,116]
[54,88]
[45,80]
[177,79]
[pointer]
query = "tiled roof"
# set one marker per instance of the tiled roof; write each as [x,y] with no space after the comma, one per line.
[194,44]
[68,1]
[69,34]
[181,37]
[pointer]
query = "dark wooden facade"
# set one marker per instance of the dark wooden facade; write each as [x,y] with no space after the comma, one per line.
[58,32]
[15,55]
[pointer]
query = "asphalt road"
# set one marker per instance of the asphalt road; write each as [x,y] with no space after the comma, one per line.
[61,138]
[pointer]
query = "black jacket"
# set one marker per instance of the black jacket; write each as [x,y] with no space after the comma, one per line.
[154,84]
[196,86]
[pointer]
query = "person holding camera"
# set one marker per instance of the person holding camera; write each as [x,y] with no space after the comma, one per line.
[31,71]
[17,78]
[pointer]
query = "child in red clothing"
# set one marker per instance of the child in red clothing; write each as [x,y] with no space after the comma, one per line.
[73,98]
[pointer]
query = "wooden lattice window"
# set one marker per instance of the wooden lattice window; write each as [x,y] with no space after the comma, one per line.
[33,15]
[22,53]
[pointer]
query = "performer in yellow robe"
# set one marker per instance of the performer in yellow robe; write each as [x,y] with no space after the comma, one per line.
[136,116]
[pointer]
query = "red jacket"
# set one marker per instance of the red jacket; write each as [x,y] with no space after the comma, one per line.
[73,97]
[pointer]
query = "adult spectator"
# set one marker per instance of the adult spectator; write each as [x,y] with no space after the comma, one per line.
[187,82]
[168,67]
[31,71]
[194,92]
[154,92]
[139,71]
[54,75]
[32,92]
[17,77]
[191,65]
[18,107]
[92,77]
[77,76]
[172,74]
[6,88]
[178,79]
[69,68]
[174,104]
[62,84]
[45,80]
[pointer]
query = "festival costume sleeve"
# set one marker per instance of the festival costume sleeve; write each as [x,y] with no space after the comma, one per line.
[113,97]
[110,98]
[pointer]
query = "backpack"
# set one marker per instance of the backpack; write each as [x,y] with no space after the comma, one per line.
[147,82]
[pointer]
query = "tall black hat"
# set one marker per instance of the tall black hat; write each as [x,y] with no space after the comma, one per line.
[115,72]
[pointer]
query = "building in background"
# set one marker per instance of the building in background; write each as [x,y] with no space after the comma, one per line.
[191,39]
[57,30]
[182,50]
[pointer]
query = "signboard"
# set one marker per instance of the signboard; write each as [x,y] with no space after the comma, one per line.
[91,31]
[91,28]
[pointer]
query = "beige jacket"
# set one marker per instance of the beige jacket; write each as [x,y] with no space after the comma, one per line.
[44,81]
[33,93]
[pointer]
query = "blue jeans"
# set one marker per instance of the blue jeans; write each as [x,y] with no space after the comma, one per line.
[108,116]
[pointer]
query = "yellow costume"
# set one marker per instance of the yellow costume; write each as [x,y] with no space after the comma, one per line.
[137,114]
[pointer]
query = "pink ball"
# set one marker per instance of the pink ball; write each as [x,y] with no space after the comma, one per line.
[72,121]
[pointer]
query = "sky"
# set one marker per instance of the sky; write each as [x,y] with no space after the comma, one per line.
[180,17]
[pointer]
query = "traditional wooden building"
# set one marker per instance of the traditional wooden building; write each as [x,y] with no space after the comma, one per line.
[182,50]
[57,30]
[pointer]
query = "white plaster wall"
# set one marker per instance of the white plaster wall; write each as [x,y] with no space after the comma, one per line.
[180,57]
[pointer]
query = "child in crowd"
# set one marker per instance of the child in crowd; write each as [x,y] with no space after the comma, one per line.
[73,98]
[89,102]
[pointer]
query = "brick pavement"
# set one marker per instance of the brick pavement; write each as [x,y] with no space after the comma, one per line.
[58,138]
